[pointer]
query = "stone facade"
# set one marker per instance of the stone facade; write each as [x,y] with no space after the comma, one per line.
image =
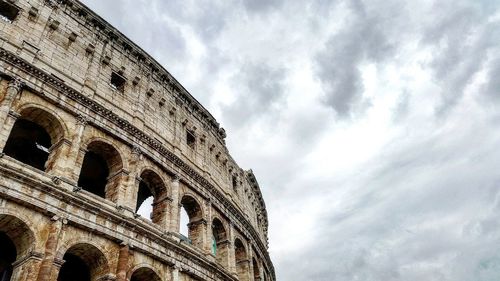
[91,127]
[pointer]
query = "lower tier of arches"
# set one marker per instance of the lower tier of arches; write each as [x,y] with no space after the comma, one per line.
[45,245]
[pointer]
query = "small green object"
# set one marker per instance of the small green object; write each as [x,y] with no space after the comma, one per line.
[214,246]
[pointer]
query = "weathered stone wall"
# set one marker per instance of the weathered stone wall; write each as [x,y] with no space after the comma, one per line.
[57,60]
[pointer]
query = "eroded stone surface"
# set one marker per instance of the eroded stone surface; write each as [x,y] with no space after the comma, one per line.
[107,122]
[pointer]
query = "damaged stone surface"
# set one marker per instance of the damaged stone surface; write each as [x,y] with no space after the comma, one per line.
[91,127]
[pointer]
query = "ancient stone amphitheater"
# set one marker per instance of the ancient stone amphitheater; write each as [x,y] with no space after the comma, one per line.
[103,151]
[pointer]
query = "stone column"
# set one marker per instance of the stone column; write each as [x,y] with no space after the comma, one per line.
[127,198]
[207,245]
[56,268]
[243,270]
[261,272]
[197,233]
[122,268]
[159,215]
[175,273]
[208,233]
[26,268]
[7,127]
[71,158]
[46,266]
[57,161]
[250,261]
[176,206]
[13,89]
[223,253]
[231,254]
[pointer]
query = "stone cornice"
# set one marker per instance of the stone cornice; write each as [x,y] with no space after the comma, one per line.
[256,189]
[145,139]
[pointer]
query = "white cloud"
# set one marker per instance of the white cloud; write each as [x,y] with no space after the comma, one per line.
[371,125]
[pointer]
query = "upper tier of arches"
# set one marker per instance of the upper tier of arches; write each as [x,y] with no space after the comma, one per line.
[105,168]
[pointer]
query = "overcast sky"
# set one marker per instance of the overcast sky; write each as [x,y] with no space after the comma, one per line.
[373,127]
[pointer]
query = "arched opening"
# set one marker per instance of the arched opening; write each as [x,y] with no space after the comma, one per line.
[151,197]
[184,221]
[83,262]
[256,270]
[100,170]
[74,269]
[7,256]
[16,242]
[34,138]
[145,274]
[240,256]
[195,224]
[219,241]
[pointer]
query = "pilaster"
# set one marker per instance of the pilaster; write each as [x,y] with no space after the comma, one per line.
[231,254]
[122,268]
[208,233]
[55,231]
[127,197]
[8,123]
[175,273]
[26,268]
[14,87]
[176,206]
[69,169]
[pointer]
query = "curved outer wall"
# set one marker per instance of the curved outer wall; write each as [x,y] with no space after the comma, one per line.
[92,90]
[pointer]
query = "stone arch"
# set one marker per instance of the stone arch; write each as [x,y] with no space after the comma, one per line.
[219,234]
[152,187]
[17,241]
[144,272]
[36,137]
[241,259]
[220,243]
[19,232]
[83,261]
[162,175]
[101,171]
[256,269]
[28,108]
[196,223]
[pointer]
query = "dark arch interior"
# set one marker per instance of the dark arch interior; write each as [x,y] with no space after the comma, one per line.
[218,231]
[29,143]
[100,170]
[239,251]
[152,191]
[83,262]
[218,235]
[256,271]
[143,194]
[192,208]
[74,269]
[8,255]
[94,174]
[144,274]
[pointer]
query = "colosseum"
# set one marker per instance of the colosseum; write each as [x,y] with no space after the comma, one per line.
[105,155]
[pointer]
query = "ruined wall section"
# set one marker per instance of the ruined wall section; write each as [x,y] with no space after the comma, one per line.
[63,57]
[75,45]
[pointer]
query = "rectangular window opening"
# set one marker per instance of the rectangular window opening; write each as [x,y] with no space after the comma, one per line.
[117,82]
[235,182]
[190,139]
[8,11]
